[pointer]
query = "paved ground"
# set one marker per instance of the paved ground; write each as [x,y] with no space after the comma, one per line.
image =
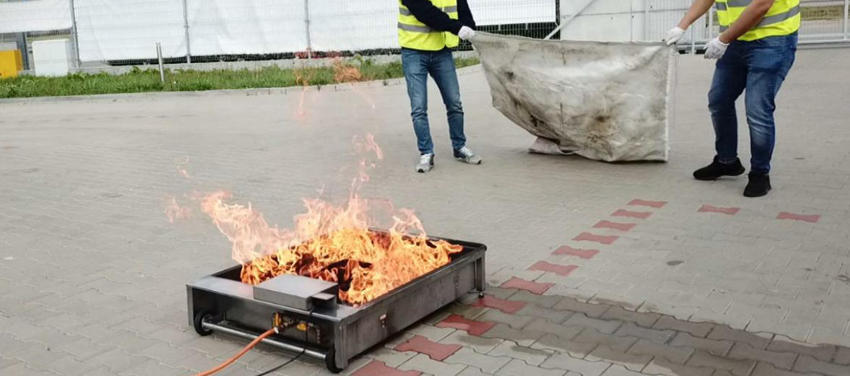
[706,282]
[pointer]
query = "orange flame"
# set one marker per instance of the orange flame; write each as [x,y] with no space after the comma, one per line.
[174,211]
[332,243]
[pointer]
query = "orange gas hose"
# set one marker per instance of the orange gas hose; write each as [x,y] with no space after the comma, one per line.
[239,355]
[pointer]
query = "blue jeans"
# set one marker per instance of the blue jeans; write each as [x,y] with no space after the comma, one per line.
[440,65]
[759,67]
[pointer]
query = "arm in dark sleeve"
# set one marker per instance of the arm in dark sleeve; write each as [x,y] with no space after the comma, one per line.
[464,14]
[432,16]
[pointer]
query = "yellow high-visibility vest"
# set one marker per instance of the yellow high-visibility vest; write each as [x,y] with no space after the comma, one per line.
[783,18]
[416,35]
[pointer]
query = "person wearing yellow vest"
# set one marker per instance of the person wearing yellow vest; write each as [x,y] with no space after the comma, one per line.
[428,30]
[755,51]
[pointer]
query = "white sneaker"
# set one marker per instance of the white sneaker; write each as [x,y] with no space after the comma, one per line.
[467,156]
[426,163]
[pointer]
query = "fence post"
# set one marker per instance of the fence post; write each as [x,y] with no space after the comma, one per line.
[186,33]
[22,46]
[74,35]
[645,20]
[307,28]
[846,19]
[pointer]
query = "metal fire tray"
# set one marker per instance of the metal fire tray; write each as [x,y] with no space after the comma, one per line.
[322,326]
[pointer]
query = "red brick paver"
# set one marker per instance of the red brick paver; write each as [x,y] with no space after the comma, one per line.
[563,270]
[716,209]
[577,252]
[530,286]
[436,351]
[378,368]
[799,217]
[651,204]
[615,225]
[506,306]
[601,239]
[473,327]
[631,214]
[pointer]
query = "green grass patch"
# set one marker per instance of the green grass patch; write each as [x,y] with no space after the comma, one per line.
[148,80]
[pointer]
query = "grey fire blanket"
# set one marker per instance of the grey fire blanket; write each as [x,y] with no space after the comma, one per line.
[604,101]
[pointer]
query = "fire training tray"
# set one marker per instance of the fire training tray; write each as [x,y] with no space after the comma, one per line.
[332,331]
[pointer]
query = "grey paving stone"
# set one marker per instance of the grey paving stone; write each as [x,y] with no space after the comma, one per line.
[721,332]
[617,370]
[592,336]
[842,356]
[391,357]
[695,329]
[433,333]
[819,352]
[486,363]
[472,371]
[665,368]
[590,310]
[716,347]
[631,361]
[517,367]
[545,313]
[744,351]
[644,319]
[515,321]
[603,326]
[654,335]
[581,366]
[735,366]
[527,354]
[546,301]
[767,369]
[523,337]
[423,363]
[563,345]
[546,326]
[674,354]
[21,369]
[480,344]
[807,363]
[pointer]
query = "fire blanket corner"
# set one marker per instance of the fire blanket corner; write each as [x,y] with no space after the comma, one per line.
[604,101]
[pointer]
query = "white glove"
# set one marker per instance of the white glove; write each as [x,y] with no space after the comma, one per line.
[674,35]
[715,49]
[466,33]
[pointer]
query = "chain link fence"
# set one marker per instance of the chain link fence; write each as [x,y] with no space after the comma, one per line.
[103,33]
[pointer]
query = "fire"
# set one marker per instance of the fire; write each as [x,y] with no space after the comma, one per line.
[174,211]
[332,242]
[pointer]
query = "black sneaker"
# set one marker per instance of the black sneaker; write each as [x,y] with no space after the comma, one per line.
[758,186]
[717,169]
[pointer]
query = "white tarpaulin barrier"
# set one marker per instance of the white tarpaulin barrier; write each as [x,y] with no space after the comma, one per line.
[603,101]
[129,29]
[501,12]
[219,27]
[40,15]
[353,25]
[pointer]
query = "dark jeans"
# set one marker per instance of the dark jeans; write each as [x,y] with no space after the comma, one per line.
[440,65]
[759,67]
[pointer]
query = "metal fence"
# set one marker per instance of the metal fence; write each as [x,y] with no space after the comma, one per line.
[118,32]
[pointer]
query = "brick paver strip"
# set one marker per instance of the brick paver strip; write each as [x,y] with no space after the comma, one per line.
[530,286]
[473,327]
[615,225]
[799,217]
[378,368]
[506,306]
[716,209]
[566,250]
[436,351]
[562,270]
[651,204]
[631,214]
[601,239]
